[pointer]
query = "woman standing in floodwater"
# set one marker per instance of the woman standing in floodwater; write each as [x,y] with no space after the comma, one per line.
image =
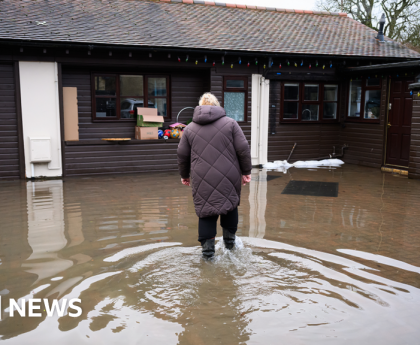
[214,151]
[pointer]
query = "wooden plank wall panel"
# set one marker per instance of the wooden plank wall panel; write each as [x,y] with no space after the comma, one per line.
[313,140]
[216,86]
[186,87]
[365,140]
[107,159]
[9,144]
[414,164]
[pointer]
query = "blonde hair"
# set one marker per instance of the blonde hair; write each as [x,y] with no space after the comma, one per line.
[208,99]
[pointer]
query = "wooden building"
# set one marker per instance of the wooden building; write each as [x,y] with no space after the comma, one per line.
[318,79]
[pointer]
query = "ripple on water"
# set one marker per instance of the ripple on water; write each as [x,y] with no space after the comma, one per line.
[258,292]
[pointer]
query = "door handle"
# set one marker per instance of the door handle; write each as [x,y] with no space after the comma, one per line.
[389,124]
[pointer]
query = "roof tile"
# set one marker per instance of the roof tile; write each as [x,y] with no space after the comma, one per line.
[175,24]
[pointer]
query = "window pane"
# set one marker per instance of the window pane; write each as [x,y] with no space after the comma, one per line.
[310,112]
[310,92]
[131,85]
[355,98]
[330,92]
[290,110]
[235,105]
[105,86]
[105,107]
[129,106]
[235,83]
[330,111]
[156,86]
[372,104]
[160,104]
[373,82]
[291,92]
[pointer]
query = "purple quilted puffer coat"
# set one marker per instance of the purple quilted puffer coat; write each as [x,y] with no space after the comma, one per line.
[214,151]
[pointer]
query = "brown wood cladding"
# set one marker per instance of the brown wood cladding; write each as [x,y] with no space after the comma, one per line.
[313,140]
[107,159]
[365,140]
[187,87]
[9,143]
[414,163]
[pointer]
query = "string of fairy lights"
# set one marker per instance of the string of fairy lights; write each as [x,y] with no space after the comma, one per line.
[286,62]
[255,62]
[294,63]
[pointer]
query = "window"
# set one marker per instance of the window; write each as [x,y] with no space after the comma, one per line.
[364,100]
[291,101]
[330,102]
[309,102]
[235,93]
[117,96]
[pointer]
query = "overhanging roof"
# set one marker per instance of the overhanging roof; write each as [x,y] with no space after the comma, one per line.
[406,64]
[192,25]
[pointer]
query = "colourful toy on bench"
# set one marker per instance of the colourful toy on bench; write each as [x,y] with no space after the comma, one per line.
[167,134]
[175,133]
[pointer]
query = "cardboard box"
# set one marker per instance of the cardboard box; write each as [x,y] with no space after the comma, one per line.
[146,133]
[148,117]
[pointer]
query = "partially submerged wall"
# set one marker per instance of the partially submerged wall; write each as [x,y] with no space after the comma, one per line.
[365,140]
[313,140]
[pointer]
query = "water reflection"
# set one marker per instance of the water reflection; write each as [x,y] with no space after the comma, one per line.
[257,203]
[261,291]
[45,229]
[127,246]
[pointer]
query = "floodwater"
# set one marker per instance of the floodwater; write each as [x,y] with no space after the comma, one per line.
[306,269]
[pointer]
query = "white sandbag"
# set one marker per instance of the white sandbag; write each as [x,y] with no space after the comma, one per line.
[306,164]
[283,165]
[314,164]
[270,165]
[277,164]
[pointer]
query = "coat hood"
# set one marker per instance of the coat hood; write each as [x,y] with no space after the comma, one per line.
[205,114]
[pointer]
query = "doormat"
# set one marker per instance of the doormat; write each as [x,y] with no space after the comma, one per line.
[311,188]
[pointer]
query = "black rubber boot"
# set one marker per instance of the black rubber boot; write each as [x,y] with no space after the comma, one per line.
[229,239]
[208,249]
